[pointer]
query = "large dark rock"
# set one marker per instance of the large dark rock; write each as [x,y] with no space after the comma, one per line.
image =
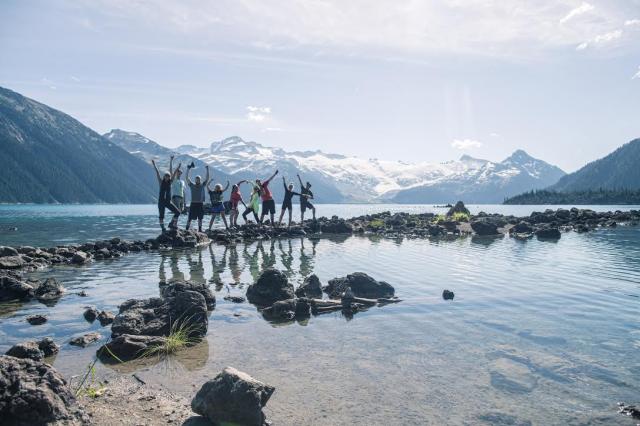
[336,226]
[49,290]
[521,228]
[156,316]
[12,262]
[361,284]
[234,397]
[48,346]
[13,287]
[34,393]
[484,227]
[174,286]
[28,350]
[90,314]
[311,287]
[8,251]
[458,208]
[548,233]
[272,285]
[80,258]
[288,309]
[36,319]
[106,318]
[127,347]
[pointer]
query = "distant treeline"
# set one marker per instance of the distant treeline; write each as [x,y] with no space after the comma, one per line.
[597,196]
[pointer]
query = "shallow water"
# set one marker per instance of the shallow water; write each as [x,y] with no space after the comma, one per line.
[538,333]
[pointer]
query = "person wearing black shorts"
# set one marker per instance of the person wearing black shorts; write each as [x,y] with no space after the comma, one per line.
[305,196]
[286,203]
[268,203]
[164,197]
[196,208]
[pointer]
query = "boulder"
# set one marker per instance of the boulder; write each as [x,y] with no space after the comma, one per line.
[34,393]
[361,284]
[12,262]
[36,319]
[127,347]
[48,346]
[106,318]
[85,340]
[80,258]
[156,316]
[521,227]
[311,287]
[8,251]
[12,287]
[336,226]
[28,350]
[548,233]
[272,285]
[484,227]
[448,295]
[288,309]
[458,208]
[90,314]
[49,290]
[174,286]
[234,397]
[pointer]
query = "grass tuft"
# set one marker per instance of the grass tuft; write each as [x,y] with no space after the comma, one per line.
[460,217]
[377,224]
[180,337]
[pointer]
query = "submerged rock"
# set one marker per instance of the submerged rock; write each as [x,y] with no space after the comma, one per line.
[48,346]
[233,396]
[90,314]
[361,284]
[272,285]
[34,393]
[288,309]
[448,295]
[127,347]
[235,299]
[85,340]
[311,287]
[49,290]
[36,319]
[106,318]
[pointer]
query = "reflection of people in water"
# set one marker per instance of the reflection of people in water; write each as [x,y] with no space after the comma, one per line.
[252,260]
[196,267]
[306,261]
[234,264]
[218,267]
[268,259]
[287,257]
[176,274]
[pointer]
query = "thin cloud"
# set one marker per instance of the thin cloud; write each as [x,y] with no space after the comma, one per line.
[601,39]
[258,114]
[580,10]
[273,129]
[632,23]
[74,78]
[636,75]
[465,144]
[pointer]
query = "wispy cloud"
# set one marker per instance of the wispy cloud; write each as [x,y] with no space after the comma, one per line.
[48,83]
[601,39]
[465,144]
[636,75]
[580,10]
[273,129]
[632,22]
[74,78]
[258,114]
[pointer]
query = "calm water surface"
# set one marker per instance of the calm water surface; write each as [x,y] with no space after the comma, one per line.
[539,333]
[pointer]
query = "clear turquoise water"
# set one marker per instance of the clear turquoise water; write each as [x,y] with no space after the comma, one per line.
[539,333]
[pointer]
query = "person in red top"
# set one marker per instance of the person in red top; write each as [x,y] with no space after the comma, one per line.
[234,200]
[268,204]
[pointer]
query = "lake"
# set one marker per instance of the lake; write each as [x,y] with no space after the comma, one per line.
[538,333]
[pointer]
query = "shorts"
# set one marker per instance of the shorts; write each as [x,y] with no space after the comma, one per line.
[269,206]
[305,204]
[196,211]
[167,204]
[217,208]
[178,202]
[286,205]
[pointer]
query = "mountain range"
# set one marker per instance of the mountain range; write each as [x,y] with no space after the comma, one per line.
[49,157]
[337,178]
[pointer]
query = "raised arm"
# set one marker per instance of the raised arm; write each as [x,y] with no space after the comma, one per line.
[272,176]
[299,180]
[208,187]
[175,172]
[241,182]
[206,178]
[284,183]
[171,166]
[226,187]
[156,169]
[188,173]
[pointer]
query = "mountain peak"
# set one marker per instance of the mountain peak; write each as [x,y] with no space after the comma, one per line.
[519,156]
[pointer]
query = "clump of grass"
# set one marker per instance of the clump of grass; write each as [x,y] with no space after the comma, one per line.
[91,388]
[460,217]
[377,223]
[440,218]
[181,336]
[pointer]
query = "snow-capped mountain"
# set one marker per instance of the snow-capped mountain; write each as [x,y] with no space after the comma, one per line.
[337,178]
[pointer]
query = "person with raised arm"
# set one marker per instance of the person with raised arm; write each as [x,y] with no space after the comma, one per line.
[254,205]
[287,202]
[164,196]
[268,203]
[234,199]
[305,195]
[178,191]
[217,204]
[196,208]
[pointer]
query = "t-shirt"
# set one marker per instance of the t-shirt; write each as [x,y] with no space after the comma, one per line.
[255,201]
[197,192]
[235,199]
[177,188]
[216,197]
[288,195]
[305,194]
[266,193]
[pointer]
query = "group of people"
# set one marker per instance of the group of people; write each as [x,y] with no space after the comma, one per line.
[173,191]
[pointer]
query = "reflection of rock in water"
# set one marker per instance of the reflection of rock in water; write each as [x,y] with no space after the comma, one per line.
[191,358]
[486,240]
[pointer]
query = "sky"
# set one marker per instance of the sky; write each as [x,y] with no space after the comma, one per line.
[389,79]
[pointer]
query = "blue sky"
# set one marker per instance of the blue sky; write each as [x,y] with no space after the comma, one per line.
[406,80]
